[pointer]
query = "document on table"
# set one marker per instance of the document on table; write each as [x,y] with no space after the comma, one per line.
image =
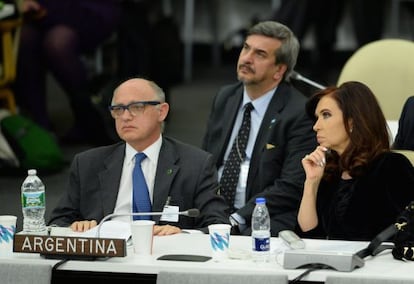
[109,229]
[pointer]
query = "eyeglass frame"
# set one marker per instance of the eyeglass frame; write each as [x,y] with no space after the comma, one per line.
[126,107]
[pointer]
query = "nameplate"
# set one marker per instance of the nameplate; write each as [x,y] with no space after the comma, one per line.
[69,246]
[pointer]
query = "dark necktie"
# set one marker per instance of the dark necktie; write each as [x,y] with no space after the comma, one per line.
[231,171]
[140,201]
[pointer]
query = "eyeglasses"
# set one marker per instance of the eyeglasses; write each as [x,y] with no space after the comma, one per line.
[134,108]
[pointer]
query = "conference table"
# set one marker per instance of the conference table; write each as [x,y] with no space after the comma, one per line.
[144,269]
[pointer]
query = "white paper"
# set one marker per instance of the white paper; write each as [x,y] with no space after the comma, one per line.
[109,229]
[170,213]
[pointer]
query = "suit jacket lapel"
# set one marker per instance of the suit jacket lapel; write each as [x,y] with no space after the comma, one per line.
[271,117]
[167,168]
[229,117]
[110,178]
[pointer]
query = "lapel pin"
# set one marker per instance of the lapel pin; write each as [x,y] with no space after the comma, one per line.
[169,171]
[272,122]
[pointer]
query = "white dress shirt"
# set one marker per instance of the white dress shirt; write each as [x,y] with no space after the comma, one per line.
[149,167]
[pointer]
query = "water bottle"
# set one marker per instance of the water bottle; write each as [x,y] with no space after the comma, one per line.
[33,204]
[260,231]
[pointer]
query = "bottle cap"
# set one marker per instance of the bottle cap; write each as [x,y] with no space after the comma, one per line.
[260,200]
[32,172]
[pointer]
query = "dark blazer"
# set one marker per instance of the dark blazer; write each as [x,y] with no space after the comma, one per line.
[370,204]
[284,137]
[404,140]
[184,173]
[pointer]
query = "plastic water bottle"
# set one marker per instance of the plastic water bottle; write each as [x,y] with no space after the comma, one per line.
[260,231]
[33,204]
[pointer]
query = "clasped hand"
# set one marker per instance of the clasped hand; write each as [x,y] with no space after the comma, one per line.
[164,230]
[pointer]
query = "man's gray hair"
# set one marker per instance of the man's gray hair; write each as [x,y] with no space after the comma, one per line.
[288,51]
[159,92]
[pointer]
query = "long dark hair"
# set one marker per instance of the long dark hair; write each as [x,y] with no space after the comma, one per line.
[369,134]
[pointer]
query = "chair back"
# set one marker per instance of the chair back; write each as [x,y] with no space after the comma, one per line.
[408,153]
[9,36]
[386,67]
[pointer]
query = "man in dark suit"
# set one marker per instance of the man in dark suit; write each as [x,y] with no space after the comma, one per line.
[280,133]
[176,174]
[404,140]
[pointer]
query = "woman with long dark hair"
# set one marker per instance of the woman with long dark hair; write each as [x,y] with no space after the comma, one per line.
[355,186]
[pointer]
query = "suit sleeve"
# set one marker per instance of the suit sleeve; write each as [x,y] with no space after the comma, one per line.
[212,206]
[67,211]
[404,140]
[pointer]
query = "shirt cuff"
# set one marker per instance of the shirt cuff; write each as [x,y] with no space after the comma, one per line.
[239,219]
[241,222]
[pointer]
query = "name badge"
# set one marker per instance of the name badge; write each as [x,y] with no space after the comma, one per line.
[244,173]
[170,213]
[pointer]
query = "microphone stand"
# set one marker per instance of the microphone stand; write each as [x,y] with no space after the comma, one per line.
[194,212]
[190,213]
[296,76]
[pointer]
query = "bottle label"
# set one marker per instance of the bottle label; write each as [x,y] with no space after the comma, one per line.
[33,200]
[261,244]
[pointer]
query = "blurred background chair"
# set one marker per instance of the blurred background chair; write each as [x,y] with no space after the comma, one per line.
[386,67]
[408,153]
[9,29]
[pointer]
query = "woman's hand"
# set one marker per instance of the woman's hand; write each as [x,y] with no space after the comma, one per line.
[314,164]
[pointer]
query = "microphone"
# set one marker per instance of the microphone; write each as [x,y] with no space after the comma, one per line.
[193,212]
[296,76]
[375,247]
[398,249]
